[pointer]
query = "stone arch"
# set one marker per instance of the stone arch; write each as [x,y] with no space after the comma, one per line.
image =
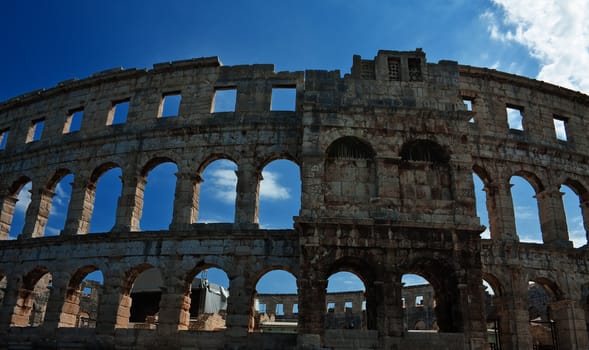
[80,308]
[32,298]
[279,191]
[366,273]
[533,179]
[423,150]
[56,195]
[9,202]
[204,307]
[349,172]
[524,189]
[217,186]
[576,210]
[444,281]
[156,192]
[99,205]
[126,298]
[274,298]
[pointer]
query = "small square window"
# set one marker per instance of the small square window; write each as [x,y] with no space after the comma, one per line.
[118,113]
[330,307]
[87,291]
[35,130]
[170,105]
[224,100]
[560,125]
[73,122]
[283,99]
[3,139]
[348,305]
[262,308]
[295,309]
[515,117]
[419,300]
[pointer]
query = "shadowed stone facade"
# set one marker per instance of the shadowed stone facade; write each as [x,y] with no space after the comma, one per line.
[386,156]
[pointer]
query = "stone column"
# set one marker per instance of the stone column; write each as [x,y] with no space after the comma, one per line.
[239,308]
[470,293]
[80,208]
[174,310]
[9,304]
[186,200]
[552,218]
[500,210]
[55,303]
[516,293]
[248,185]
[38,213]
[130,205]
[570,325]
[8,205]
[311,323]
[505,323]
[109,315]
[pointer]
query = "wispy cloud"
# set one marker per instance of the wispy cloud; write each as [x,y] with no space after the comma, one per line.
[224,181]
[271,189]
[555,32]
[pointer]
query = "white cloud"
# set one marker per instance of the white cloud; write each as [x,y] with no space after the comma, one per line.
[555,32]
[225,182]
[271,189]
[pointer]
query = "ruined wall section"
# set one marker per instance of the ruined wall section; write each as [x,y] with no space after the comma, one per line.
[251,135]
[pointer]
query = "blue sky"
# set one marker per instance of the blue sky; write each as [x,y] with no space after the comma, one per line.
[45,42]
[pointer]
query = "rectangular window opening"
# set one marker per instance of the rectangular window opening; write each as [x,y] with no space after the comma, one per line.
[515,117]
[364,305]
[73,122]
[279,310]
[36,130]
[419,300]
[394,68]
[118,113]
[468,102]
[560,128]
[348,305]
[262,308]
[87,291]
[415,69]
[330,307]
[3,139]
[295,309]
[224,100]
[403,302]
[284,98]
[171,105]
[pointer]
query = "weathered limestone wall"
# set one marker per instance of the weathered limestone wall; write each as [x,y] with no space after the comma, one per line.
[386,155]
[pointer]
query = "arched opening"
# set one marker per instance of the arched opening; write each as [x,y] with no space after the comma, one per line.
[350,172]
[218,191]
[207,299]
[275,303]
[481,204]
[346,302]
[279,194]
[541,294]
[432,295]
[158,200]
[82,299]
[59,204]
[140,298]
[525,207]
[492,312]
[425,178]
[104,198]
[571,201]
[32,299]
[418,300]
[15,207]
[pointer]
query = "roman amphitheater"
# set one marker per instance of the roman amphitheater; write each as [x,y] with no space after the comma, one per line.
[386,155]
